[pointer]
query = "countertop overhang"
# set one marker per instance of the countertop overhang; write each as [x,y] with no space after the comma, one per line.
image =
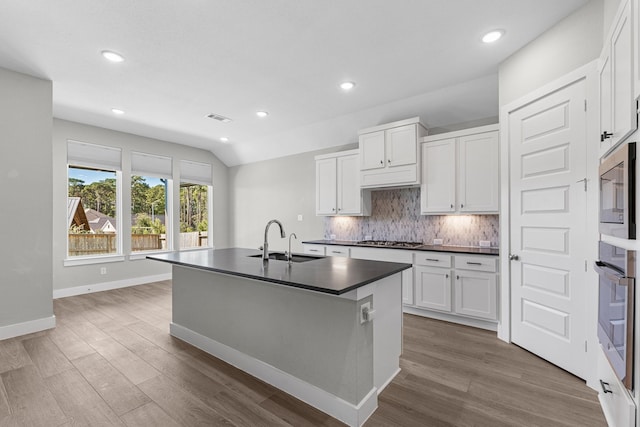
[432,248]
[330,275]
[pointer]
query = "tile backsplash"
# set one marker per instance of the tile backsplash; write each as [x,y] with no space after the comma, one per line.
[395,215]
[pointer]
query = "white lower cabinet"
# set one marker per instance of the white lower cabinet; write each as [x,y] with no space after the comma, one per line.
[433,288]
[617,405]
[464,285]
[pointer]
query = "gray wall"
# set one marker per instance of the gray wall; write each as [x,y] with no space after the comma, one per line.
[571,43]
[281,189]
[72,276]
[25,191]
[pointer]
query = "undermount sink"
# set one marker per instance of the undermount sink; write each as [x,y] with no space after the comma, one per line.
[280,256]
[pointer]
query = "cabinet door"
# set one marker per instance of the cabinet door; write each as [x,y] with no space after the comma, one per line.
[433,288]
[476,294]
[326,186]
[479,169]
[372,155]
[623,101]
[402,145]
[438,189]
[349,192]
[407,287]
[604,81]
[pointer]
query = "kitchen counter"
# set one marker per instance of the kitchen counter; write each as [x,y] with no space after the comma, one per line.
[328,275]
[433,248]
[327,331]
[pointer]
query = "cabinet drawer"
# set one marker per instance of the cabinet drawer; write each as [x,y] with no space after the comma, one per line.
[380,254]
[489,264]
[617,405]
[432,259]
[339,251]
[314,249]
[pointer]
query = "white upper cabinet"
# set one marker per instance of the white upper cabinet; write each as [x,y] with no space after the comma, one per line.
[389,154]
[338,189]
[460,172]
[438,191]
[618,117]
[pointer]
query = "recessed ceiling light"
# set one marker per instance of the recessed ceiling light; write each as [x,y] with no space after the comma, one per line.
[493,36]
[224,139]
[262,113]
[112,56]
[117,111]
[347,85]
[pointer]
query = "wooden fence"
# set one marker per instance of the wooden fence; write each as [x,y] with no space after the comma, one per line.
[97,244]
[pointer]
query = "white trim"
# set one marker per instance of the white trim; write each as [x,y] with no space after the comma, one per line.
[459,133]
[70,262]
[353,415]
[453,318]
[28,327]
[587,71]
[135,256]
[106,286]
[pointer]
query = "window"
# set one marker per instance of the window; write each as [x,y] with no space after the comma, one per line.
[93,196]
[150,211]
[195,198]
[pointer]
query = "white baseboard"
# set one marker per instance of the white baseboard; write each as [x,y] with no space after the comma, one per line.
[352,415]
[461,320]
[29,327]
[106,286]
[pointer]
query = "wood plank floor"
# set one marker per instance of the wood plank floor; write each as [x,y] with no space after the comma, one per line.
[111,361]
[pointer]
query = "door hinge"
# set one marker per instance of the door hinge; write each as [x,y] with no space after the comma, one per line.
[585,265]
[585,105]
[585,346]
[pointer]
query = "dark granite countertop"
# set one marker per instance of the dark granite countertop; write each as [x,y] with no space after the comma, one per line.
[331,275]
[432,248]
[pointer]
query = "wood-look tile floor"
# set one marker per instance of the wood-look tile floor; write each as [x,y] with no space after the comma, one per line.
[111,361]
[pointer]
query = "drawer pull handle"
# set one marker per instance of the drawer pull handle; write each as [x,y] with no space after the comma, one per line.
[446,276]
[314,250]
[605,387]
[432,259]
[474,263]
[336,252]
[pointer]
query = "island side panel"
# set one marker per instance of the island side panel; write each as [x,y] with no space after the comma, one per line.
[315,337]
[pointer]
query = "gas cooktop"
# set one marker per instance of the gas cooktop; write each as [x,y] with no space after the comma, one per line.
[390,243]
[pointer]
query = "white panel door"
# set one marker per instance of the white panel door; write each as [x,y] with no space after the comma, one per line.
[372,155]
[438,188]
[402,145]
[479,167]
[548,227]
[433,288]
[326,187]
[349,193]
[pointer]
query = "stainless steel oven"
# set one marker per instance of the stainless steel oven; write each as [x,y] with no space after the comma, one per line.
[617,193]
[616,269]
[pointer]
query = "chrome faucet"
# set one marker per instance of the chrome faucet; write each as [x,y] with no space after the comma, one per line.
[289,256]
[265,245]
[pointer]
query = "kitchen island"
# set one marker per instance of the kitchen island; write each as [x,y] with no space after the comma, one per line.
[327,330]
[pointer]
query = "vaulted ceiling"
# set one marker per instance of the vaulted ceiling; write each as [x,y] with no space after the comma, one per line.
[189,58]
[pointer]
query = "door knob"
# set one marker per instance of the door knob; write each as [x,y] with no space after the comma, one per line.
[513,257]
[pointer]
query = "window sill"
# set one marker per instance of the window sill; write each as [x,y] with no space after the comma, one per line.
[143,255]
[70,262]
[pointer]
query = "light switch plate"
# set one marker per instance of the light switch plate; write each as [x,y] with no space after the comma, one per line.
[485,243]
[438,241]
[368,237]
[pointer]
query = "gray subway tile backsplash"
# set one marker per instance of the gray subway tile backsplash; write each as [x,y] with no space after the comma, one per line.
[396,216]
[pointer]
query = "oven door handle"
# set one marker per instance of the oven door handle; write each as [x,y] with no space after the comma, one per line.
[614,277]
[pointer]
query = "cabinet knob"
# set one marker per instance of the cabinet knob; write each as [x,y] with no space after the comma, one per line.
[461,205]
[605,135]
[381,162]
[333,209]
[389,161]
[457,277]
[451,205]
[446,276]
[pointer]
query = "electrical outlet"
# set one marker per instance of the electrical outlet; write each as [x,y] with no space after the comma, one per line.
[485,243]
[368,237]
[332,236]
[300,217]
[438,241]
[364,310]
[103,270]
